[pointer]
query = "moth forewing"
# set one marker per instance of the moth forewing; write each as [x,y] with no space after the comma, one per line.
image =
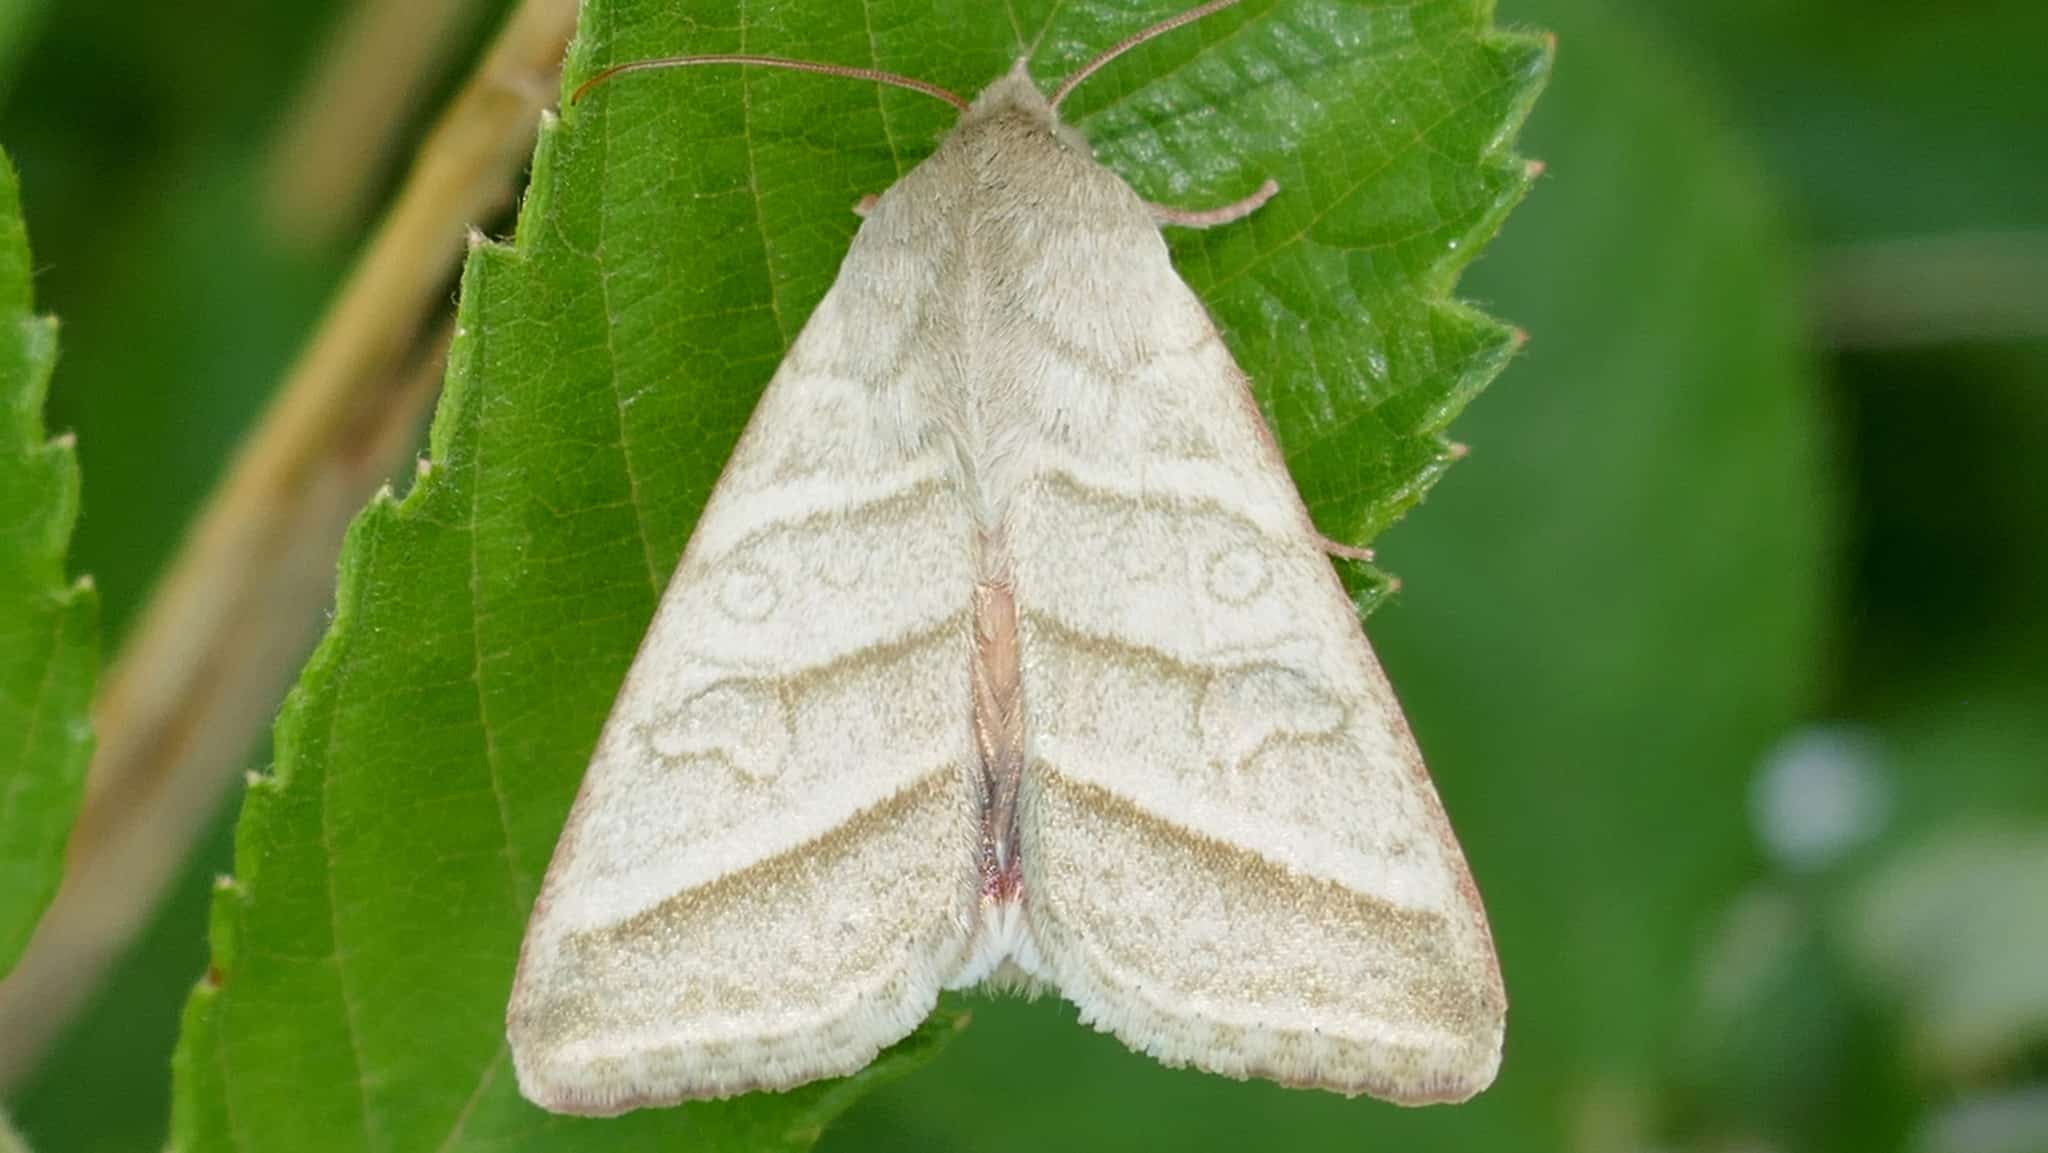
[1231,855]
[769,871]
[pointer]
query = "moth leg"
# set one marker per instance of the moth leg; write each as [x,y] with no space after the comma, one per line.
[1340,549]
[865,205]
[1211,217]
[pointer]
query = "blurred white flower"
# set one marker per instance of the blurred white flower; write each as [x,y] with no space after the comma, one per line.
[1820,792]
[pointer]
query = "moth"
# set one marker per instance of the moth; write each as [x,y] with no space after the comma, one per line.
[1005,654]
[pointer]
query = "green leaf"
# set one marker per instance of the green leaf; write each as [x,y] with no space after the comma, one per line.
[49,628]
[678,229]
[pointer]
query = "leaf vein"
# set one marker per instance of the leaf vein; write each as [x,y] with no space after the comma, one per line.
[867,19]
[490,1074]
[754,188]
[611,352]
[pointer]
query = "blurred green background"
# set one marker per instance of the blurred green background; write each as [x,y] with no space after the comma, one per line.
[1728,644]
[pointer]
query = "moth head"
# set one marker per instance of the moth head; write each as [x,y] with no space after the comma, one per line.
[1015,97]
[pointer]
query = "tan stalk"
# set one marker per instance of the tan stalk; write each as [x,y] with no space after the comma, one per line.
[337,145]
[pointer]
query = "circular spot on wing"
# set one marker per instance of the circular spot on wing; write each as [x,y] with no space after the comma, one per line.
[748,592]
[740,723]
[1236,573]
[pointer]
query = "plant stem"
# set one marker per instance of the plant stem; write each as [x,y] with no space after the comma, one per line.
[1914,291]
[338,141]
[233,615]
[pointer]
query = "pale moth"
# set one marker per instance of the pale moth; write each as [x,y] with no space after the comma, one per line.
[1005,654]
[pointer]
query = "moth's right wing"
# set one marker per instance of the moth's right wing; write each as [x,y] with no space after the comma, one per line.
[771,868]
[1232,856]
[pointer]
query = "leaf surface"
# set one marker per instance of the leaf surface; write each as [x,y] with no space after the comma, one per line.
[678,229]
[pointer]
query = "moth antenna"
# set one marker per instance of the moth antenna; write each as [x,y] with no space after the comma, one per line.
[879,77]
[1132,41]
